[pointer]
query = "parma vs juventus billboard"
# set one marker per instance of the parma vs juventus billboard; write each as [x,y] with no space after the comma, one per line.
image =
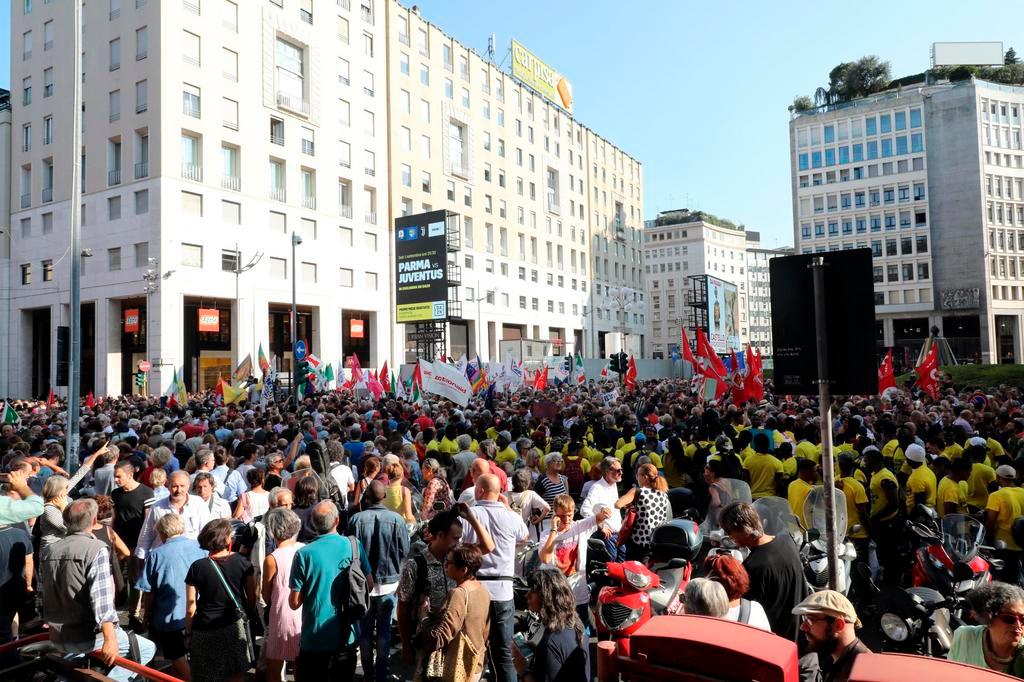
[421,275]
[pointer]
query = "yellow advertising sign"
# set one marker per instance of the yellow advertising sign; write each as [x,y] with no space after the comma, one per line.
[541,77]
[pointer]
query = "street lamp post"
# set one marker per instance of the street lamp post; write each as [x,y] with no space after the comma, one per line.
[296,240]
[152,278]
[238,270]
[624,301]
[75,350]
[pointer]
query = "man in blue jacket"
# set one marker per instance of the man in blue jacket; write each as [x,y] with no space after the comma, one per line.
[384,535]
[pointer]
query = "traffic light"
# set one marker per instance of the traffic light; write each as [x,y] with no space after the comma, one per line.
[140,379]
[301,372]
[618,362]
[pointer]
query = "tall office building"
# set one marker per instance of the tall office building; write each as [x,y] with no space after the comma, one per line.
[681,244]
[759,299]
[930,178]
[548,210]
[213,130]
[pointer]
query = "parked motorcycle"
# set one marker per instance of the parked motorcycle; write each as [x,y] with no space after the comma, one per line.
[634,592]
[814,552]
[778,519]
[956,550]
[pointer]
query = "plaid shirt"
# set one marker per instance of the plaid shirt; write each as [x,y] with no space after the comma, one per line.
[101,589]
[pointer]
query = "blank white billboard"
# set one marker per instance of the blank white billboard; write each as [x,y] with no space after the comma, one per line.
[971,54]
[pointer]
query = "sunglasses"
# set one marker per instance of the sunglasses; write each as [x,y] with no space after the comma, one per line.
[1011,618]
[810,620]
[616,471]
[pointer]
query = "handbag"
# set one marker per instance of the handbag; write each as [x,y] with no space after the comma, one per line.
[242,624]
[626,529]
[462,658]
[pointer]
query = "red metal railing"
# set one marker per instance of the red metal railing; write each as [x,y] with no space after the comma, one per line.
[137,668]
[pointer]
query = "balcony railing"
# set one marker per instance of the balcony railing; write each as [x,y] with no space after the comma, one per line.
[309,202]
[26,200]
[192,171]
[278,194]
[371,172]
[368,91]
[306,16]
[308,147]
[192,109]
[345,211]
[231,125]
[371,218]
[141,169]
[192,7]
[294,103]
[141,54]
[114,66]
[115,13]
[26,55]
[366,14]
[344,4]
[232,182]
[141,107]
[114,177]
[344,81]
[403,38]
[48,45]
[277,139]
[194,61]
[345,163]
[115,116]
[47,195]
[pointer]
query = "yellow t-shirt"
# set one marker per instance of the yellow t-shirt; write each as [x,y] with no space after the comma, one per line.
[1009,505]
[878,498]
[954,492]
[492,433]
[763,470]
[977,484]
[631,457]
[796,494]
[952,452]
[921,480]
[853,491]
[691,449]
[434,446]
[623,452]
[507,455]
[892,451]
[995,449]
[745,452]
[450,447]
[789,467]
[805,450]
[594,456]
[861,477]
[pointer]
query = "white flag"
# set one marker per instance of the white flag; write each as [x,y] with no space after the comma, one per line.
[449,382]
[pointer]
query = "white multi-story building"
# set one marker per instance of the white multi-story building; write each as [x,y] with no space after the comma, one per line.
[759,299]
[678,245]
[536,193]
[213,131]
[930,178]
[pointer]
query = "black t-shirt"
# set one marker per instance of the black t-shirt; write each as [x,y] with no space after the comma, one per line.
[15,545]
[561,657]
[777,582]
[214,608]
[130,512]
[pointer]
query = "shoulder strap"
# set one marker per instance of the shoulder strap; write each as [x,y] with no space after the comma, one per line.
[421,574]
[231,592]
[355,547]
[744,616]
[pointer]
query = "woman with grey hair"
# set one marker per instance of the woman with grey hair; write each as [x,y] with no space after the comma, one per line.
[526,501]
[51,522]
[284,624]
[552,483]
[704,597]
[997,642]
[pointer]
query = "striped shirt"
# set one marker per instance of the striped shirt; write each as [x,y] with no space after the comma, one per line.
[549,490]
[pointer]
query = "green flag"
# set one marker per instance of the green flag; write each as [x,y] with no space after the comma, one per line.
[329,372]
[10,415]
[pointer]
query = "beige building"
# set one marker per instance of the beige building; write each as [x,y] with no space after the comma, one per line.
[213,131]
[537,193]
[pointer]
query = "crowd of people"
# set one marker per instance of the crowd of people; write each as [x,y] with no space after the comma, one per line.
[310,538]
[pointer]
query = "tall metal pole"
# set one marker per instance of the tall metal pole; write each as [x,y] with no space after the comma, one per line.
[238,308]
[75,351]
[824,404]
[296,240]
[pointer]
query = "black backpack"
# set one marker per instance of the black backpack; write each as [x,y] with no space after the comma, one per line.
[351,591]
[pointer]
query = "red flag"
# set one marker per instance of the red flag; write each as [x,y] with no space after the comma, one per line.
[886,375]
[385,382]
[90,400]
[687,352]
[50,400]
[753,384]
[540,379]
[708,358]
[928,372]
[218,393]
[357,370]
[630,378]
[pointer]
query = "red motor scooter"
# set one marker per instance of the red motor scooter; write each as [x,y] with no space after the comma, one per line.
[951,561]
[638,591]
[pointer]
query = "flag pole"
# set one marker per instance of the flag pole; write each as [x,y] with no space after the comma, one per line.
[824,407]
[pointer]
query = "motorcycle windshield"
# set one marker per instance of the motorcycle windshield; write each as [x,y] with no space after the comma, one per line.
[814,512]
[723,492]
[961,536]
[777,518]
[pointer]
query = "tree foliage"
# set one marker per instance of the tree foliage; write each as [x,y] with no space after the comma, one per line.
[851,80]
[800,104]
[1011,57]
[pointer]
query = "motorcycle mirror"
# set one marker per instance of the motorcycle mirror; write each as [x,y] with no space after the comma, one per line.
[856,528]
[676,563]
[962,571]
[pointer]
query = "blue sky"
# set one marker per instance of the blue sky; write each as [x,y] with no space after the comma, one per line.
[698,91]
